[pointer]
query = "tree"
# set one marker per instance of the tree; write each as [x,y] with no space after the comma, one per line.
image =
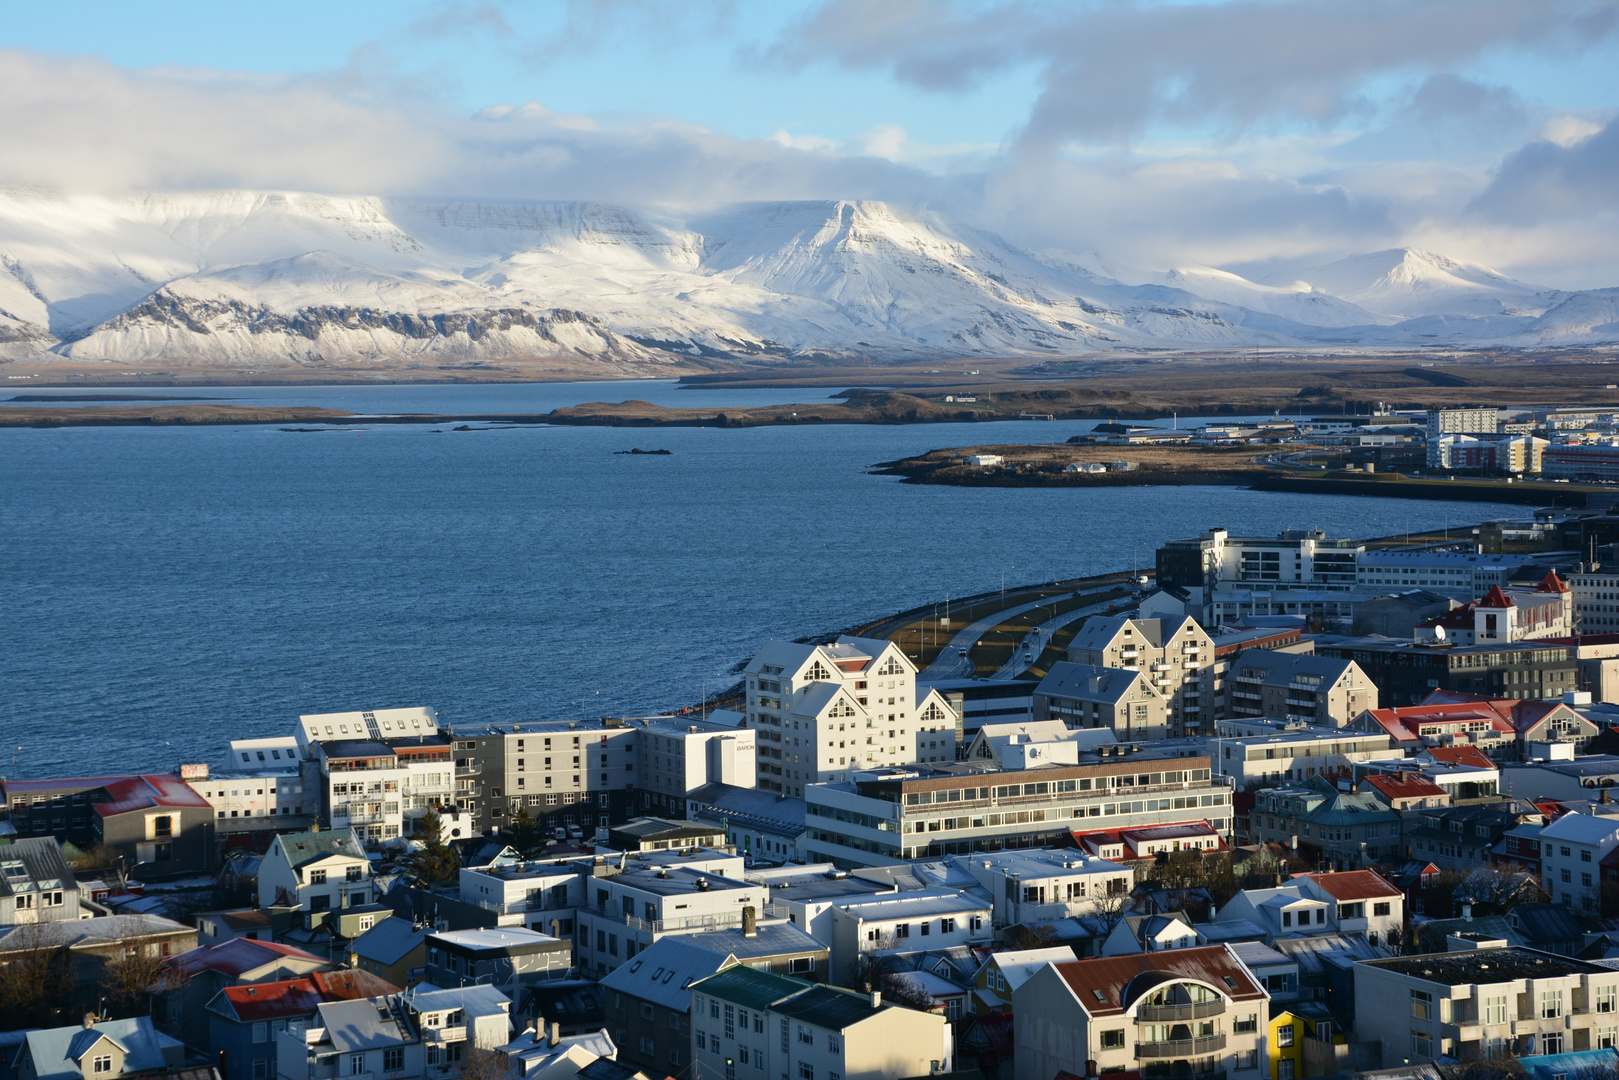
[1111,908]
[437,862]
[129,982]
[478,1063]
[1038,936]
[523,833]
[36,978]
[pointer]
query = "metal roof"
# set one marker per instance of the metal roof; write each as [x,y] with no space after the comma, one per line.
[662,972]
[749,987]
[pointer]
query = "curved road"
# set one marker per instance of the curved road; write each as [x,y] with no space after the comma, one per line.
[1034,643]
[950,664]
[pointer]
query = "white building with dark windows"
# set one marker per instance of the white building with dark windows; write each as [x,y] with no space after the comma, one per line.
[675,757]
[825,712]
[380,770]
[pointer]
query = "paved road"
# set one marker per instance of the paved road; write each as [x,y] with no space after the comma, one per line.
[950,664]
[1035,641]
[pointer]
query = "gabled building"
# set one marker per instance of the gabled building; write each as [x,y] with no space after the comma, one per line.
[193,979]
[1176,657]
[1348,902]
[100,1050]
[1404,790]
[91,945]
[36,884]
[1178,1012]
[1464,837]
[1120,700]
[391,950]
[244,1021]
[649,1003]
[1505,615]
[316,871]
[1323,690]
[1151,933]
[826,712]
[1350,830]
[158,823]
[1004,971]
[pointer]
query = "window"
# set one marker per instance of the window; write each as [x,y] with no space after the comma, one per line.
[1422,1005]
[1607,1037]
[261,1068]
[702,1039]
[1246,1025]
[102,1063]
[356,1064]
[1380,909]
[1551,1004]
[393,1059]
[646,1010]
[317,877]
[261,1033]
[1284,1069]
[834,1044]
[1495,1010]
[1607,997]
[1113,1039]
[1551,1042]
[805,1036]
[674,1021]
[648,1045]
[674,1057]
[1421,1044]
[805,1071]
[1284,1035]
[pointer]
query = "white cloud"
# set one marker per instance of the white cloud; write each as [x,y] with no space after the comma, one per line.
[816,143]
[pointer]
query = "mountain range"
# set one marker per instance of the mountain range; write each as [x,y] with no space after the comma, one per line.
[273,278]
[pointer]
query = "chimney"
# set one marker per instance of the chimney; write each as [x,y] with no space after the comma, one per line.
[1604,799]
[876,999]
[1091,1070]
[89,1020]
[750,925]
[1467,912]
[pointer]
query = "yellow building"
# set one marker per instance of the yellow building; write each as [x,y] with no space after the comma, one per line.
[1303,1040]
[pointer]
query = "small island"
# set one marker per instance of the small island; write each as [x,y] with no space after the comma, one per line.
[644,453]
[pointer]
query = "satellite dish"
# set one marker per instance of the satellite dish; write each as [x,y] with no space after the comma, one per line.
[1439,633]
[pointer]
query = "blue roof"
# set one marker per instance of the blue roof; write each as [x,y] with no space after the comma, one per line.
[1574,1063]
[55,1051]
[389,941]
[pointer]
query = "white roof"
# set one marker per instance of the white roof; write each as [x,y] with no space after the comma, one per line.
[1581,829]
[1018,967]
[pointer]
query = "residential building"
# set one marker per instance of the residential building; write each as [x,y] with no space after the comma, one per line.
[825,712]
[92,944]
[1486,1002]
[36,885]
[254,924]
[810,1032]
[1572,848]
[1596,598]
[1296,754]
[193,978]
[1506,615]
[1006,746]
[245,1021]
[572,776]
[1326,690]
[506,958]
[1175,656]
[675,758]
[1293,559]
[1176,1012]
[100,1050]
[1151,933]
[1482,423]
[977,702]
[1407,672]
[158,824]
[542,894]
[1044,883]
[664,834]
[59,807]
[1344,902]
[759,825]
[533,1055]
[316,871]
[1580,461]
[379,771]
[1136,846]
[1519,728]
[805,895]
[937,918]
[1404,790]
[902,814]
[1464,837]
[767,945]
[423,1034]
[1351,830]
[1304,1040]
[391,950]
[628,910]
[1003,972]
[649,1004]
[262,796]
[1120,700]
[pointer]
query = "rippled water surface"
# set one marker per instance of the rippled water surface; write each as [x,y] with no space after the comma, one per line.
[168,589]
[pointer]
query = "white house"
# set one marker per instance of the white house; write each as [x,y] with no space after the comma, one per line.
[1571,852]
[937,918]
[316,871]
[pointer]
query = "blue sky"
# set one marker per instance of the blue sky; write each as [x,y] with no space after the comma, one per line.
[1249,134]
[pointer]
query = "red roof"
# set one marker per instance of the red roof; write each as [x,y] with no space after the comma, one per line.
[1132,839]
[1402,723]
[1551,583]
[1457,618]
[1468,756]
[1495,598]
[145,792]
[236,957]
[298,997]
[1405,786]
[1347,885]
[1113,976]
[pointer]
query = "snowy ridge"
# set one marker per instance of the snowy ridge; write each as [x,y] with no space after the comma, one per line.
[221,278]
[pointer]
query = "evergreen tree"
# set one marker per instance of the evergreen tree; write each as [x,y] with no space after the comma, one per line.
[524,834]
[437,862]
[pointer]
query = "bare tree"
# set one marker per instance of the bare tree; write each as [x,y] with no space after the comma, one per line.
[36,977]
[130,981]
[1111,908]
[478,1063]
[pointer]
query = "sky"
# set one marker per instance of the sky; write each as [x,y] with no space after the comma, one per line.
[1259,136]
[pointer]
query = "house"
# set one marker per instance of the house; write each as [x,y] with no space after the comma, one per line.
[1003,972]
[535,1056]
[36,884]
[762,1025]
[1271,968]
[1550,928]
[1350,829]
[88,946]
[1464,837]
[1305,1040]
[418,1035]
[663,834]
[1122,701]
[315,871]
[1404,790]
[921,918]
[158,823]
[506,958]
[100,1050]
[1485,1002]
[648,1003]
[254,924]
[1146,844]
[768,945]
[663,893]
[194,978]
[1151,933]
[1327,968]
[1346,902]
[1183,1011]
[391,950]
[244,1021]
[1571,850]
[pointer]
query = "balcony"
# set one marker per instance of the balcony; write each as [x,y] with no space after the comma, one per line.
[1177,1048]
[475,769]
[1149,1014]
[445,1034]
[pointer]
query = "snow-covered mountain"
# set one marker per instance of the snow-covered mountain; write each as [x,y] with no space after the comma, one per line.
[266,278]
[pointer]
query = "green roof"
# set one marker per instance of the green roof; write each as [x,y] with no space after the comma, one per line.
[748,987]
[306,847]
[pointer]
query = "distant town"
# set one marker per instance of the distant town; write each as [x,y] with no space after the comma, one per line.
[1279,806]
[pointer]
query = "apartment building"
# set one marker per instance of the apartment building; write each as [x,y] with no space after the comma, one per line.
[568,774]
[675,758]
[648,1004]
[1044,884]
[1121,700]
[1294,559]
[1485,1002]
[259,797]
[379,771]
[628,910]
[36,884]
[1407,672]
[753,1024]
[1596,598]
[1325,690]
[1294,755]
[1572,849]
[1442,422]
[936,918]
[1350,829]
[825,712]
[1171,1013]
[1459,574]
[316,871]
[508,958]
[542,895]
[1176,658]
[903,814]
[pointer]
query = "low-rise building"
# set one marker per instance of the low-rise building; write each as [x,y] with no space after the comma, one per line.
[629,910]
[1003,972]
[316,871]
[1485,1003]
[1572,849]
[266,797]
[1404,790]
[158,824]
[1350,830]
[1346,902]
[1044,883]
[759,825]
[506,958]
[1121,700]
[391,950]
[1181,1011]
[244,1022]
[194,978]
[91,945]
[36,885]
[1296,754]
[1464,837]
[920,918]
[664,834]
[673,758]
[99,1050]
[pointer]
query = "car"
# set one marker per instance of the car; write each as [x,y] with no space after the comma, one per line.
[961,652]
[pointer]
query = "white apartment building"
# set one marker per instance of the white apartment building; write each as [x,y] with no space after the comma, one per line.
[1596,599]
[262,799]
[937,918]
[1442,422]
[1044,884]
[1175,655]
[1485,1003]
[539,895]
[1296,755]
[825,712]
[627,909]
[380,770]
[1177,1012]
[1461,575]
[673,758]
[1571,852]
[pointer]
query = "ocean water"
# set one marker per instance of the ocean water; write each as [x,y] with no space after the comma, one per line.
[169,589]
